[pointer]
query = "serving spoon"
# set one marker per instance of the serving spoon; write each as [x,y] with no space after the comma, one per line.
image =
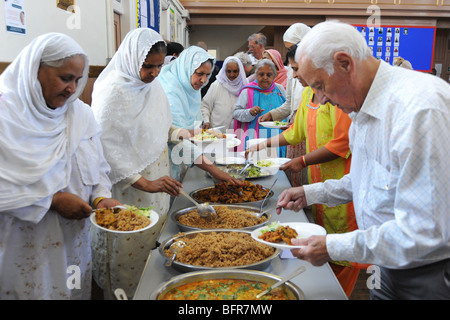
[174,248]
[267,195]
[296,272]
[260,214]
[204,210]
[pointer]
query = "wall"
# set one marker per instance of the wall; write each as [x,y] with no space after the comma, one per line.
[219,38]
[173,22]
[44,16]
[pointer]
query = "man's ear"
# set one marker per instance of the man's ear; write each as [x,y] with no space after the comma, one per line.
[343,61]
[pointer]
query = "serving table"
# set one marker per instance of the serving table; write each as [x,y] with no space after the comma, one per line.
[316,282]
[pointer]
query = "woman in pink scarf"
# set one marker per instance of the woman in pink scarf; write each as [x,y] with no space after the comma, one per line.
[275,56]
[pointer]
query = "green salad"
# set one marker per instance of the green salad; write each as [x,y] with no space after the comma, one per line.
[280,123]
[271,227]
[265,163]
[140,211]
[254,172]
[205,136]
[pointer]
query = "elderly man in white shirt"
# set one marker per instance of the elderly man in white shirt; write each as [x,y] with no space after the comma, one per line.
[399,179]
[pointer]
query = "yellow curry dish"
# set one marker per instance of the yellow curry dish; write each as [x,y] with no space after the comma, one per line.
[224,289]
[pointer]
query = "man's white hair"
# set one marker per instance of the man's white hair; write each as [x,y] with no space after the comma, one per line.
[326,38]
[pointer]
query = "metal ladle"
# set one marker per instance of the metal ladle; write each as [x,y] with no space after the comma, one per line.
[204,210]
[260,214]
[174,248]
[267,195]
[296,272]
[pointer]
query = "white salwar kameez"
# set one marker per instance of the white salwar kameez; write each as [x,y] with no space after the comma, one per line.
[136,122]
[218,104]
[51,259]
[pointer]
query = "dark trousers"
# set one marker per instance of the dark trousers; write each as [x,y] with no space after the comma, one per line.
[429,282]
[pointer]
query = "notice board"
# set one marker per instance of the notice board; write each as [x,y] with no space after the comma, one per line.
[413,43]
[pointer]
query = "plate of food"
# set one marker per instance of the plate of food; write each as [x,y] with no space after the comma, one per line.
[252,172]
[271,165]
[274,124]
[208,136]
[124,219]
[280,235]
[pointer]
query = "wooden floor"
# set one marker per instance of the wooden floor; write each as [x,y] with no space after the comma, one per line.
[361,292]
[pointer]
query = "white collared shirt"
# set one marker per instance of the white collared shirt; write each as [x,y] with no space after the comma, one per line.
[400,175]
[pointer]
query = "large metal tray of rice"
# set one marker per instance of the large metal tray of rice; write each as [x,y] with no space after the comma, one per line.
[228,217]
[218,249]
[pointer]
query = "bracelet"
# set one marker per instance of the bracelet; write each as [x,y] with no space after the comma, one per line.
[97,201]
[303,161]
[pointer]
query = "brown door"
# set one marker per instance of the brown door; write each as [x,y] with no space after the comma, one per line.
[117,28]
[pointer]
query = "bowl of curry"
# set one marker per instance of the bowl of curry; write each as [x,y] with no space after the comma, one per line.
[227,193]
[226,285]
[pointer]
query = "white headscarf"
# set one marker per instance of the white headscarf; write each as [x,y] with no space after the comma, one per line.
[235,86]
[295,33]
[37,142]
[134,116]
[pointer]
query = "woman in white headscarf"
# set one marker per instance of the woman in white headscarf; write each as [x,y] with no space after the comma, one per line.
[218,104]
[132,109]
[53,173]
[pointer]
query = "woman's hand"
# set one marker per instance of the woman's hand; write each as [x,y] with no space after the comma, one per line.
[255,111]
[164,184]
[295,165]
[265,117]
[255,148]
[108,203]
[224,177]
[184,134]
[70,206]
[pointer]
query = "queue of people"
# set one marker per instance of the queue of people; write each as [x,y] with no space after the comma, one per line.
[370,137]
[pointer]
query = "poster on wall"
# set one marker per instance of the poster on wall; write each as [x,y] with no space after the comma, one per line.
[172,24]
[66,5]
[415,44]
[15,16]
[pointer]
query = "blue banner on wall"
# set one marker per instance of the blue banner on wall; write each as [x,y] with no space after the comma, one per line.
[148,14]
[415,44]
